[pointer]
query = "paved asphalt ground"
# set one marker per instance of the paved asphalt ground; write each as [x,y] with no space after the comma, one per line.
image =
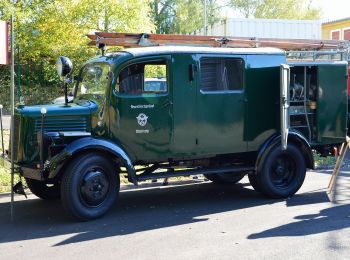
[197,220]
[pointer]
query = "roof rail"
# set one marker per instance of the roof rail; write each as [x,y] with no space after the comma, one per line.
[145,39]
[321,55]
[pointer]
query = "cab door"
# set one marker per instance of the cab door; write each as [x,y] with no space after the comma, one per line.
[141,112]
[220,104]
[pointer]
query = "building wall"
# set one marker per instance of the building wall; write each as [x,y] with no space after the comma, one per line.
[334,29]
[266,28]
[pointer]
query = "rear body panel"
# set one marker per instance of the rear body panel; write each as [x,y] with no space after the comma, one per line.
[332,103]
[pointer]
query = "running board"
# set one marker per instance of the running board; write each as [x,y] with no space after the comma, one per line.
[179,173]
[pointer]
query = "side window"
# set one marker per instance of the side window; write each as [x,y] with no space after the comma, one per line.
[221,74]
[141,78]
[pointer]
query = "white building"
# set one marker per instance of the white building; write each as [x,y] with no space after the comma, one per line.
[266,28]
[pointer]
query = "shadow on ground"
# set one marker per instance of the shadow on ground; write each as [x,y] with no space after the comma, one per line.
[329,219]
[336,217]
[150,209]
[136,211]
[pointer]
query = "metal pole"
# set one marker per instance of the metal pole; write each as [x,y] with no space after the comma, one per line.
[205,18]
[12,110]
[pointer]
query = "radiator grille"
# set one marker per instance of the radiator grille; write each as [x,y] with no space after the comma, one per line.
[61,124]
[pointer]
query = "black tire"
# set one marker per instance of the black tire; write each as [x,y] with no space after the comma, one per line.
[225,178]
[282,173]
[43,190]
[90,186]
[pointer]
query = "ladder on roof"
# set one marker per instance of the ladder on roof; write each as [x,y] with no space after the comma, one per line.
[102,39]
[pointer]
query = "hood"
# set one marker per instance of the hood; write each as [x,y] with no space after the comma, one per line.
[83,108]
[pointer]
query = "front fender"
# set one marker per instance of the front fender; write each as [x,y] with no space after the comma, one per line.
[54,166]
[294,137]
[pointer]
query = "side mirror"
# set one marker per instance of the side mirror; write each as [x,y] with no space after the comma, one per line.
[64,66]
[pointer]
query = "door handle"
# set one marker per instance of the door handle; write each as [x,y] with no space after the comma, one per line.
[167,103]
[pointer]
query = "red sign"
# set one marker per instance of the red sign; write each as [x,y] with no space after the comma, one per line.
[4,46]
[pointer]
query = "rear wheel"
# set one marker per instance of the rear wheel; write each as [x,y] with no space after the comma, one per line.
[282,173]
[90,186]
[225,178]
[44,190]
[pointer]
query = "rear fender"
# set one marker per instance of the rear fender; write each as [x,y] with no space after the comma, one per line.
[293,137]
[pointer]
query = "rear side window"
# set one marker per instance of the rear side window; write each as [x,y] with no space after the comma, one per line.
[221,74]
[142,78]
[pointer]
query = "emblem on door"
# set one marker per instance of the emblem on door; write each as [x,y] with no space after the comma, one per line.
[142,119]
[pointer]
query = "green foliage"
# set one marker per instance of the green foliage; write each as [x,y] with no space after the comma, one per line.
[182,16]
[276,9]
[5,172]
[155,71]
[46,30]
[246,7]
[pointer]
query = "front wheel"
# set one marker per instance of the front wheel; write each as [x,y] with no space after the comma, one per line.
[44,190]
[89,186]
[282,173]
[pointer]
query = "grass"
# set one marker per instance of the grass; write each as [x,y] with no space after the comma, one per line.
[5,176]
[324,161]
[5,173]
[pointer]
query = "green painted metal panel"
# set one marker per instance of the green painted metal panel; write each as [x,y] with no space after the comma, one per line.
[220,117]
[149,142]
[262,114]
[185,127]
[58,118]
[332,102]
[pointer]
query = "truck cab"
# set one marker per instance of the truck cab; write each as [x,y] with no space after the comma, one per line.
[159,112]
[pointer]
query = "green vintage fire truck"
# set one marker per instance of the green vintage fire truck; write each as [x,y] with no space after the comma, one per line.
[159,112]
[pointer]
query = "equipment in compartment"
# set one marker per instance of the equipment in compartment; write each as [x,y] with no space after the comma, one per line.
[302,97]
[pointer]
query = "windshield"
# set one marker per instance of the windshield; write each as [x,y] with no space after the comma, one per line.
[94,79]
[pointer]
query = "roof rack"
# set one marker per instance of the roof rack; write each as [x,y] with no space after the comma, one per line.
[321,55]
[102,39]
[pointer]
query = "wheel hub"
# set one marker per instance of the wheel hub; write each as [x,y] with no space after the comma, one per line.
[94,187]
[280,170]
[283,172]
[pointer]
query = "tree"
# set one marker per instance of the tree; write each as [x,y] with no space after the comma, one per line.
[246,7]
[163,14]
[276,9]
[46,29]
[182,16]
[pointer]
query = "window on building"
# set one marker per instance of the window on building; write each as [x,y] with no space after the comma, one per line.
[347,34]
[221,74]
[141,78]
[335,35]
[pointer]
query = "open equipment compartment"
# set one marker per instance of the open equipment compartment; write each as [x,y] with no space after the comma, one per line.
[303,99]
[318,100]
